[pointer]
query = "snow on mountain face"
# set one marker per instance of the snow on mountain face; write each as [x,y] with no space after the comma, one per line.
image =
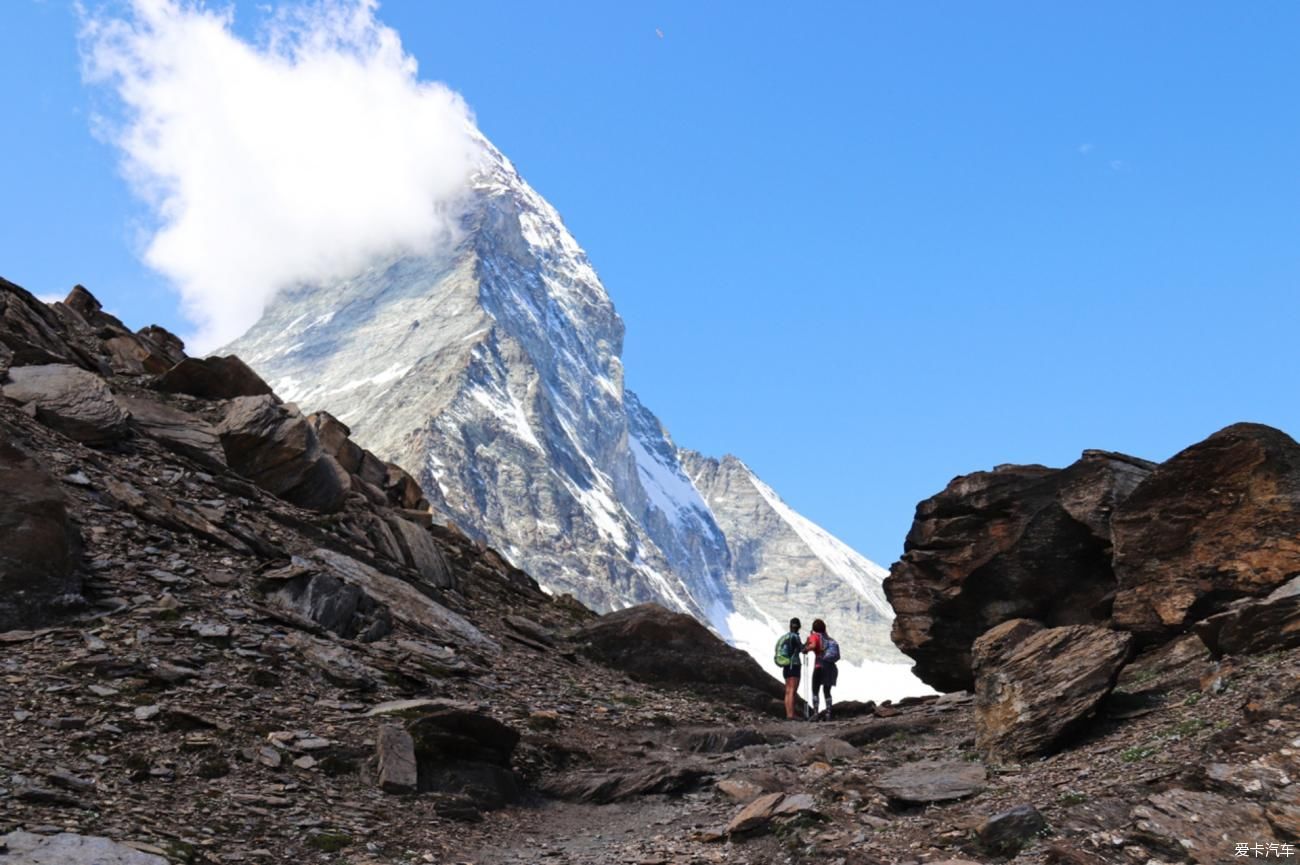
[491,371]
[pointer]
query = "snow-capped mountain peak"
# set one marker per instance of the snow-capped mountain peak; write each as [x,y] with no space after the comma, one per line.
[492,372]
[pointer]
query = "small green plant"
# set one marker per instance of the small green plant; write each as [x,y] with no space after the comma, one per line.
[1143,677]
[1137,753]
[1193,698]
[1187,727]
[1072,797]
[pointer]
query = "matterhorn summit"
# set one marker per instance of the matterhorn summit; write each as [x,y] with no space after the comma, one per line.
[491,370]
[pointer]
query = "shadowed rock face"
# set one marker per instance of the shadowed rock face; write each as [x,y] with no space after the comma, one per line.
[39,545]
[1016,542]
[1250,626]
[213,378]
[465,752]
[1217,522]
[655,645]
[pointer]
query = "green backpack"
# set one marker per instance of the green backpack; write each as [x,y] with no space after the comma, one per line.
[787,655]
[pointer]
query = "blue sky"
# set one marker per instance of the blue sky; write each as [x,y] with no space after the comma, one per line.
[864,246]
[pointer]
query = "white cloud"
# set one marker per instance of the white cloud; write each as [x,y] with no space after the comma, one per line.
[294,157]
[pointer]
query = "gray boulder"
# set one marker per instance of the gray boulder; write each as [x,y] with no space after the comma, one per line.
[420,552]
[1005,833]
[462,751]
[404,602]
[69,399]
[926,781]
[66,848]
[323,598]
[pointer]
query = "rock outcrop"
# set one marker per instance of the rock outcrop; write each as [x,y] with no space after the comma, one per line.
[1216,522]
[1034,686]
[653,644]
[1251,626]
[274,446]
[39,544]
[1016,542]
[213,378]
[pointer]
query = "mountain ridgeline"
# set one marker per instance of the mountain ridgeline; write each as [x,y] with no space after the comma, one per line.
[492,371]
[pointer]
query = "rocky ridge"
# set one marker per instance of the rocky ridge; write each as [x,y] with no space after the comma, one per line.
[197,669]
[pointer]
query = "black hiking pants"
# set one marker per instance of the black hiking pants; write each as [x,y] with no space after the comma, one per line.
[824,678]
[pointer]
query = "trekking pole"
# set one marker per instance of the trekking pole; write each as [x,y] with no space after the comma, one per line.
[807,700]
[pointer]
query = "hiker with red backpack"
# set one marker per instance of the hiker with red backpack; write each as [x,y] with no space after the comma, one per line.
[826,654]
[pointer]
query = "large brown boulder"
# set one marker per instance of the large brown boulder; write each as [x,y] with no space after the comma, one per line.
[274,446]
[1016,542]
[653,644]
[213,378]
[1036,686]
[1216,522]
[69,399]
[39,545]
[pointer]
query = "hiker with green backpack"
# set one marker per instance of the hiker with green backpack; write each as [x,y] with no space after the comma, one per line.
[788,649]
[826,654]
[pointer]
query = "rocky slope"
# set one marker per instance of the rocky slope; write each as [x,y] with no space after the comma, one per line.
[230,634]
[493,371]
